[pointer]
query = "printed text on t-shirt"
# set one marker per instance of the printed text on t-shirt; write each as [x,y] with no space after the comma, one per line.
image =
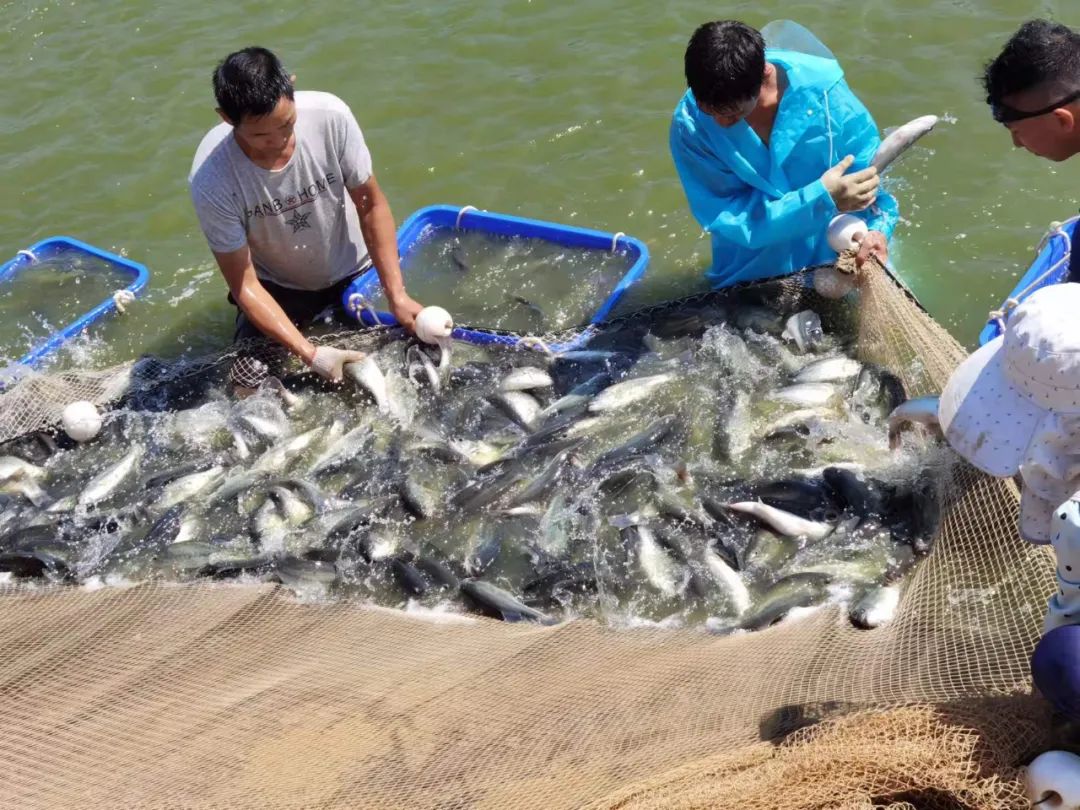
[301,197]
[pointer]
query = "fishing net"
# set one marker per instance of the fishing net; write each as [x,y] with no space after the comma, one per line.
[228,695]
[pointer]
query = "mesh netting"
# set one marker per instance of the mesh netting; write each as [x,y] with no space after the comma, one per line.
[212,695]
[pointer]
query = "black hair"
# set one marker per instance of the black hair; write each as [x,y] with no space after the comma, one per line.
[250,82]
[1042,54]
[725,64]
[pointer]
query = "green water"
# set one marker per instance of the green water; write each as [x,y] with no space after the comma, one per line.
[522,285]
[51,293]
[552,110]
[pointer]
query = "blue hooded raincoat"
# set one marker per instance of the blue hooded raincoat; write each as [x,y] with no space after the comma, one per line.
[765,206]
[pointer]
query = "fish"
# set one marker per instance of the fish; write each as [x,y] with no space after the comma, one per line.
[34,565]
[864,497]
[546,480]
[900,140]
[419,362]
[300,574]
[729,581]
[656,433]
[877,391]
[922,411]
[407,576]
[518,407]
[496,603]
[536,314]
[625,393]
[484,555]
[368,376]
[438,573]
[804,328]
[783,522]
[457,258]
[278,457]
[797,496]
[875,607]
[829,370]
[806,395]
[343,451]
[782,597]
[106,483]
[660,570]
[526,378]
[19,477]
[188,486]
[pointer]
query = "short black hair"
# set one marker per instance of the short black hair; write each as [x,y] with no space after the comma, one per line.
[1041,55]
[725,63]
[250,82]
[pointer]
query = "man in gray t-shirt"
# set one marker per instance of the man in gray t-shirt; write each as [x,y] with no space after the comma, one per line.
[286,197]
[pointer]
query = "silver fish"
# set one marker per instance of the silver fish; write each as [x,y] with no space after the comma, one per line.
[923,410]
[184,488]
[102,486]
[660,569]
[729,580]
[805,329]
[518,407]
[900,139]
[783,522]
[875,607]
[497,603]
[627,392]
[279,455]
[12,468]
[829,370]
[806,395]
[369,376]
[526,378]
[343,451]
[418,361]
[19,477]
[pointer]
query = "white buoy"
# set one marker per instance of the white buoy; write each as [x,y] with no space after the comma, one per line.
[81,420]
[842,231]
[1053,780]
[433,325]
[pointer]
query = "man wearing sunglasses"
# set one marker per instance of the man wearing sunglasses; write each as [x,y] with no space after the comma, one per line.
[1033,88]
[770,144]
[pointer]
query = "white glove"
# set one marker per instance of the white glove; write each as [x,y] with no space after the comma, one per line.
[327,362]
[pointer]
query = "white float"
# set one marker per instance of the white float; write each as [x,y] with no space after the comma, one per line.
[842,232]
[81,420]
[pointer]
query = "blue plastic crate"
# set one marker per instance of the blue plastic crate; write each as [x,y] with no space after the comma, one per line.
[50,248]
[425,222]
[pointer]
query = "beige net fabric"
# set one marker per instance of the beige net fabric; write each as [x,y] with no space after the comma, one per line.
[209,695]
[37,400]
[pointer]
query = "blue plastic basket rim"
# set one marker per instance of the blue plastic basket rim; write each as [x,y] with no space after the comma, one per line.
[51,343]
[467,218]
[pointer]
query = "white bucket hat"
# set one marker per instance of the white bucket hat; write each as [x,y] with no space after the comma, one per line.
[1014,405]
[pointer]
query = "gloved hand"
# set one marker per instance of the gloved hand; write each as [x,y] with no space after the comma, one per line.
[851,192]
[327,362]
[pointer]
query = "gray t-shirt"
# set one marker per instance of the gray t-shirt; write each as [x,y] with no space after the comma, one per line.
[299,221]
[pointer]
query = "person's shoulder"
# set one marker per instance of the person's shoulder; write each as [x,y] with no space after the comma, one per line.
[685,117]
[319,102]
[210,155]
[806,70]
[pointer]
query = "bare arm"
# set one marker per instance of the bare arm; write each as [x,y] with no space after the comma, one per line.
[380,235]
[261,309]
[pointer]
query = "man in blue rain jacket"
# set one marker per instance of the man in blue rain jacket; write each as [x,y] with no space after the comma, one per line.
[763,142]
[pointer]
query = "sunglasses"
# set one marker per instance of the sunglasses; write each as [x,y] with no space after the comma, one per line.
[1004,114]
